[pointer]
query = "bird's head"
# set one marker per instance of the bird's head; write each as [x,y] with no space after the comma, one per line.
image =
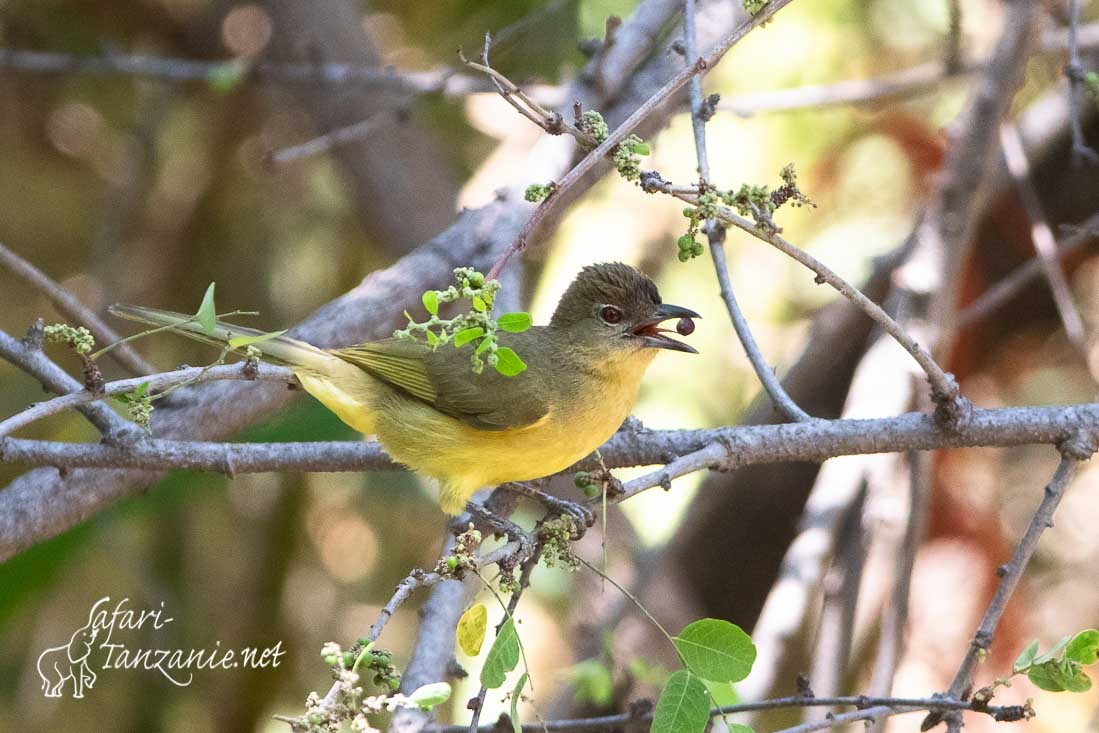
[613,305]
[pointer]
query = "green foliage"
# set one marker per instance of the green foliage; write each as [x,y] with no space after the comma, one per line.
[139,405]
[684,705]
[506,361]
[593,123]
[503,657]
[206,315]
[538,192]
[713,651]
[464,556]
[474,326]
[238,341]
[625,157]
[758,202]
[76,337]
[716,650]
[556,535]
[515,322]
[1061,668]
[432,695]
[1091,84]
[754,6]
[592,682]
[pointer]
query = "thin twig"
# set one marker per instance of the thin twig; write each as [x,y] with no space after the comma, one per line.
[1073,451]
[953,55]
[69,307]
[715,237]
[612,722]
[35,363]
[340,136]
[1075,73]
[1013,283]
[444,81]
[154,382]
[616,136]
[943,386]
[1041,235]
[891,646]
[868,714]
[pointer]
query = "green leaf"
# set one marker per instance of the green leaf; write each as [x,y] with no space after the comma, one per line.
[1084,647]
[508,362]
[516,694]
[431,301]
[237,341]
[1063,676]
[432,339]
[683,706]
[1026,657]
[428,696]
[466,335]
[471,629]
[741,728]
[722,693]
[1055,652]
[592,681]
[483,346]
[515,322]
[716,650]
[479,304]
[640,148]
[1043,679]
[502,657]
[206,315]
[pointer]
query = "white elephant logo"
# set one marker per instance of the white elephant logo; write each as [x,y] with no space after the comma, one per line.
[57,665]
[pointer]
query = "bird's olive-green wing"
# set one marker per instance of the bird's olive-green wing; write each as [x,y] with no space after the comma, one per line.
[444,379]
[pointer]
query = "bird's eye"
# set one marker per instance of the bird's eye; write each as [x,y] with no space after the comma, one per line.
[610,314]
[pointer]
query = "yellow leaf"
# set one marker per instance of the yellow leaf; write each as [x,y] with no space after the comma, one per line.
[471,629]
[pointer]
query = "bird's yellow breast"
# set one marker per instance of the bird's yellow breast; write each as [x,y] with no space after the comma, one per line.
[465,459]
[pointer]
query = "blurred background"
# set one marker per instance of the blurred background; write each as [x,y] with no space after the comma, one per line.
[144,189]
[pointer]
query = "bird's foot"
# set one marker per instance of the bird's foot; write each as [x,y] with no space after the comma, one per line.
[494,522]
[583,516]
[498,525]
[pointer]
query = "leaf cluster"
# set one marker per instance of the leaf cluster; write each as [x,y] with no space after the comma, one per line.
[475,327]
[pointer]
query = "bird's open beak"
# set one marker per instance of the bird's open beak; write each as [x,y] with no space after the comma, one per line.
[654,337]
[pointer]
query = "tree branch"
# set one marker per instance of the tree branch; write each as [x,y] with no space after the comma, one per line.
[69,307]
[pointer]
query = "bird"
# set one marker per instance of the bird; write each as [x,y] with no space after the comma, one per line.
[432,413]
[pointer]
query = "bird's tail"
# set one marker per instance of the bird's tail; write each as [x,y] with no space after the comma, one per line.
[280,348]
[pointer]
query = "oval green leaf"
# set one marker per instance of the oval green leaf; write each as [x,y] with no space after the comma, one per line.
[515,322]
[716,650]
[430,299]
[502,657]
[1084,647]
[206,315]
[428,696]
[479,304]
[508,362]
[1026,657]
[471,629]
[683,707]
[237,341]
[466,335]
